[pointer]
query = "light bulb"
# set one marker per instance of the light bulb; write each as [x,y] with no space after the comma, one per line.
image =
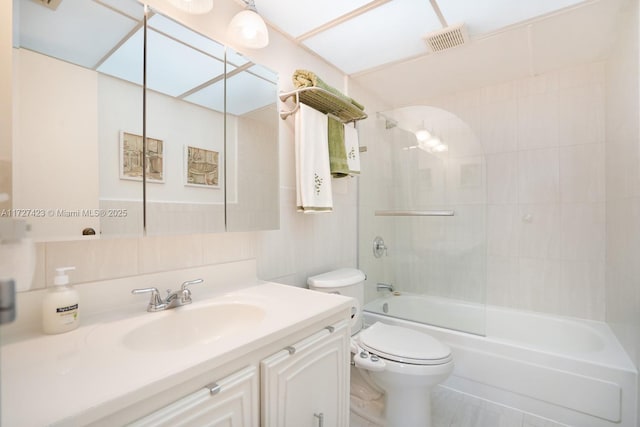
[422,135]
[249,29]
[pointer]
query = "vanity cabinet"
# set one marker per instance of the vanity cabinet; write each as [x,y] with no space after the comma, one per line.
[230,402]
[301,380]
[307,384]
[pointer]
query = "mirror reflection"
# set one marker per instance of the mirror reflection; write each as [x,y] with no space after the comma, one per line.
[69,103]
[79,114]
[185,115]
[252,148]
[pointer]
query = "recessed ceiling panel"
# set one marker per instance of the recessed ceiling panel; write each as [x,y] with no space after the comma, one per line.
[297,17]
[80,32]
[387,33]
[483,17]
[265,73]
[132,8]
[174,68]
[179,32]
[247,92]
[126,62]
[211,97]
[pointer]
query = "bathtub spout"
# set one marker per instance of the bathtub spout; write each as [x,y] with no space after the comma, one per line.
[383,286]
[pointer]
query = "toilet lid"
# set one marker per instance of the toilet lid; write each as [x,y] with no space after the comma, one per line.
[404,345]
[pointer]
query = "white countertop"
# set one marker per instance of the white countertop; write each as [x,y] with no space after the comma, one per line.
[68,378]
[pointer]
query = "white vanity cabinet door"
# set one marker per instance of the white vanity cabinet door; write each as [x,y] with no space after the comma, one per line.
[234,405]
[307,384]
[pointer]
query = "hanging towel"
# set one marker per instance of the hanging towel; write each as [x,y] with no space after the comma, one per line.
[313,176]
[337,151]
[352,148]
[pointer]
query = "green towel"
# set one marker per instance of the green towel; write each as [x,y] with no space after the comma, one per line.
[337,151]
[306,78]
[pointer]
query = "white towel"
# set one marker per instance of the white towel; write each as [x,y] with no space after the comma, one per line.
[313,175]
[352,147]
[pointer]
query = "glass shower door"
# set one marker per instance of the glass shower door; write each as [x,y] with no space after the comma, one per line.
[427,200]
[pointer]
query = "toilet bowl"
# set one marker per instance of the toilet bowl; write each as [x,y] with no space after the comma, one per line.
[406,364]
[403,363]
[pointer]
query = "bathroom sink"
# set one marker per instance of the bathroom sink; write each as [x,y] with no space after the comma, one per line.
[186,326]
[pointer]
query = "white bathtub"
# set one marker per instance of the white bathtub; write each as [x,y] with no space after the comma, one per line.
[569,370]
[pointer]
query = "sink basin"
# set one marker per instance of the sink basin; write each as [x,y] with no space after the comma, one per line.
[187,326]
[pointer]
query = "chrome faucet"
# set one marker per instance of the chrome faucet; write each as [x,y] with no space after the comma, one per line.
[173,299]
[383,286]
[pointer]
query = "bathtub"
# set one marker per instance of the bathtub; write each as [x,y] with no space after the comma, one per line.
[568,370]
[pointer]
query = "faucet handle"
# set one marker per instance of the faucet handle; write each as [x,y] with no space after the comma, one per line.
[156,303]
[186,293]
[189,283]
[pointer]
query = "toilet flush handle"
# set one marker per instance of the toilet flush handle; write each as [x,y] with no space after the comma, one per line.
[371,363]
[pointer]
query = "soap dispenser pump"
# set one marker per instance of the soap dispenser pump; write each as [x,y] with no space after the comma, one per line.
[60,305]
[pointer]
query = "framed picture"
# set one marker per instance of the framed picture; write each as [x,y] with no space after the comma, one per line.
[201,167]
[131,158]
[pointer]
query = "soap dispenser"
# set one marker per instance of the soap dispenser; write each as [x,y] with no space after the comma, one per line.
[60,305]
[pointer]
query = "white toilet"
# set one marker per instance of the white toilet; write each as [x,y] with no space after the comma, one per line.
[404,363]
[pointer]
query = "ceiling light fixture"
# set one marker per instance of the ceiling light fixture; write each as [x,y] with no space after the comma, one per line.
[195,7]
[248,28]
[433,145]
[423,135]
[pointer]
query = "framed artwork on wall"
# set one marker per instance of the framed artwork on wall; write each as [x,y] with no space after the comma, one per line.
[201,167]
[131,158]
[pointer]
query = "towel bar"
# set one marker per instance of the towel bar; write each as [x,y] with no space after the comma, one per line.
[323,101]
[414,213]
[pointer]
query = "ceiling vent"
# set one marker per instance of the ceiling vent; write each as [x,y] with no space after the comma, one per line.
[446,38]
[51,4]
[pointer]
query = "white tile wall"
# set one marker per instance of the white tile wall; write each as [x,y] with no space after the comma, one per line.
[544,145]
[622,216]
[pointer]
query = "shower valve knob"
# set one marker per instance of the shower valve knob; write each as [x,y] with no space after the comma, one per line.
[379,247]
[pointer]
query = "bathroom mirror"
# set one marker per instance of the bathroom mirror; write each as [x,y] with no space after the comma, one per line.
[78,125]
[73,94]
[185,115]
[252,146]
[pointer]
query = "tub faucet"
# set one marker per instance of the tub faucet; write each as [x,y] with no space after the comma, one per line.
[173,299]
[383,286]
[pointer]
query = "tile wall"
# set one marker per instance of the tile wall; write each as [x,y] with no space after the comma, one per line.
[544,142]
[623,186]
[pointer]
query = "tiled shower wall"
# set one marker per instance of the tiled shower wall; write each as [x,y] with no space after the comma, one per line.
[623,185]
[544,141]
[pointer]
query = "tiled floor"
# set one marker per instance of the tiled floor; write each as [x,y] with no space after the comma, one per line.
[454,409]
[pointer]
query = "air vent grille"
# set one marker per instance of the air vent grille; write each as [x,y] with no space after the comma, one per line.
[447,38]
[51,4]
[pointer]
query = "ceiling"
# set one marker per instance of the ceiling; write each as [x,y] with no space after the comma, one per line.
[180,63]
[380,43]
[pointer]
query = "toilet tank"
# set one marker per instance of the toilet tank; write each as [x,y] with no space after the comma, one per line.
[348,282]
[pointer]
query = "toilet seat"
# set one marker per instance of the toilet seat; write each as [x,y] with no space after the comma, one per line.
[403,345]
